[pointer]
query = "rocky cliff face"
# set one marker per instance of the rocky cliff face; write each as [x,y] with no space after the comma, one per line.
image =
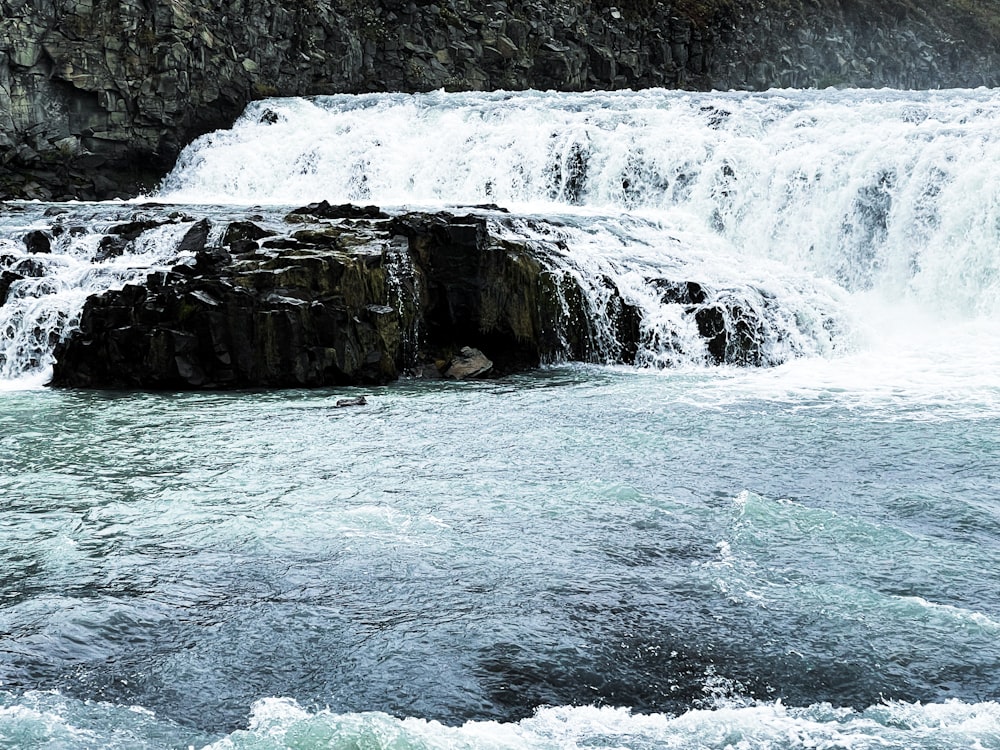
[98,96]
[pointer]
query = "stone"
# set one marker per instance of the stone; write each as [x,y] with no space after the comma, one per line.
[467,364]
[241,236]
[358,401]
[360,302]
[323,210]
[29,268]
[7,279]
[37,241]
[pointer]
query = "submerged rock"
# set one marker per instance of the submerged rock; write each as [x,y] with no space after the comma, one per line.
[357,401]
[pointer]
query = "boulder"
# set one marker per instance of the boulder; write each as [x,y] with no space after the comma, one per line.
[37,241]
[337,301]
[7,278]
[467,364]
[343,301]
[356,401]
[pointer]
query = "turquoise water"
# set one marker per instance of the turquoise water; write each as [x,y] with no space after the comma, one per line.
[800,556]
[268,570]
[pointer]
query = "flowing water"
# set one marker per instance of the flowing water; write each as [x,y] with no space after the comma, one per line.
[675,555]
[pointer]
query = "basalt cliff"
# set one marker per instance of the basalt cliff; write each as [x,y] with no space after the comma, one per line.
[98,97]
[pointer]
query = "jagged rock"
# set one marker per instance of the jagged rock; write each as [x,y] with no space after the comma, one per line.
[97,99]
[242,236]
[194,239]
[502,297]
[307,312]
[323,210]
[121,236]
[467,364]
[357,401]
[29,268]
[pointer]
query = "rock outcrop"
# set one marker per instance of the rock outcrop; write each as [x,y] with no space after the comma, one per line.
[338,301]
[98,97]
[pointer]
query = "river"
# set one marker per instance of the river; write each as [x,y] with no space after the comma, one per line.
[589,555]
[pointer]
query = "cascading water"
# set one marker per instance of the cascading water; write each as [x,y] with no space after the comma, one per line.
[773,204]
[867,189]
[45,291]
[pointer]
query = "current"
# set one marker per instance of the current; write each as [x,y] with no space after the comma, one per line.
[672,555]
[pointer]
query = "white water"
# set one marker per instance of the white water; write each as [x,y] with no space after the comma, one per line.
[855,225]
[727,724]
[884,189]
[45,305]
[47,720]
[887,196]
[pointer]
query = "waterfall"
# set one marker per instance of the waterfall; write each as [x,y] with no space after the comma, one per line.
[788,213]
[44,292]
[882,190]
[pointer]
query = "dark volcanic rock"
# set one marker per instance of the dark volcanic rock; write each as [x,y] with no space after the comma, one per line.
[323,210]
[356,401]
[97,99]
[37,241]
[242,236]
[342,303]
[299,319]
[504,299]
[6,279]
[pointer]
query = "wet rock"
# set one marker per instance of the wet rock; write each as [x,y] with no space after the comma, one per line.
[110,246]
[195,238]
[307,316]
[38,241]
[121,236]
[366,301]
[357,401]
[678,292]
[467,364]
[332,305]
[242,236]
[323,210]
[132,229]
[733,331]
[7,278]
[29,268]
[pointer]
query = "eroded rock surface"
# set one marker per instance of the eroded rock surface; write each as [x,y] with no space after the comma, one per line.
[332,301]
